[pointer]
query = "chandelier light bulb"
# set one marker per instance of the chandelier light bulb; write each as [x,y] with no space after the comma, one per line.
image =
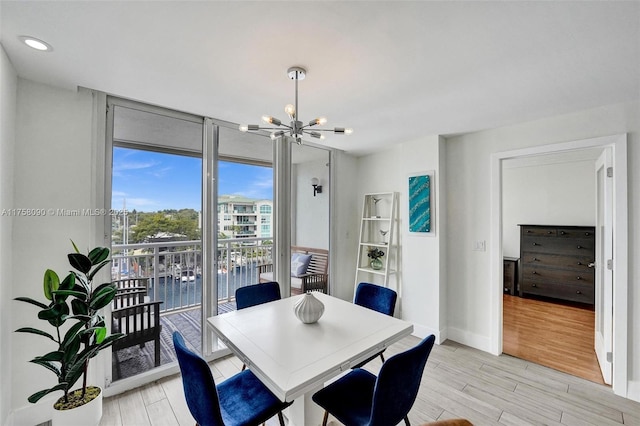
[348,131]
[290,110]
[243,127]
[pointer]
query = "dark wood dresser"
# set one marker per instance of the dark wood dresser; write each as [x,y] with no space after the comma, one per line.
[554,262]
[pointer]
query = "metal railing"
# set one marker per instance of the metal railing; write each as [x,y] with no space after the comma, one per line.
[175,268]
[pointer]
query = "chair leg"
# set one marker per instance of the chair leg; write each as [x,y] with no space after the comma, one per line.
[244,366]
[406,421]
[280,418]
[382,358]
[325,418]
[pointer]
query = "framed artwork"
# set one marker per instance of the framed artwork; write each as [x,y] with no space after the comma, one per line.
[420,196]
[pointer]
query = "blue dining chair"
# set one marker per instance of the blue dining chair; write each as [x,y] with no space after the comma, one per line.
[257,294]
[377,298]
[239,400]
[362,399]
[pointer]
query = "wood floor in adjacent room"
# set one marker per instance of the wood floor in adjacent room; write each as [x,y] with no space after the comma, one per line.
[458,381]
[551,334]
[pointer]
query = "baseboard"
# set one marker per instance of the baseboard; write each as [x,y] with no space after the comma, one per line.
[421,332]
[633,390]
[464,337]
[33,414]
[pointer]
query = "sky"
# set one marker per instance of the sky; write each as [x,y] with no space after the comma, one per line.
[151,181]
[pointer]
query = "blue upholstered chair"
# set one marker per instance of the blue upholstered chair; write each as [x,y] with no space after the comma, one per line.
[362,399]
[239,400]
[379,299]
[257,294]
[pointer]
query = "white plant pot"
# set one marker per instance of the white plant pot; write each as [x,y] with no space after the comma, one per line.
[308,309]
[86,415]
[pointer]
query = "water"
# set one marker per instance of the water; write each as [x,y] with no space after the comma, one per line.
[178,294]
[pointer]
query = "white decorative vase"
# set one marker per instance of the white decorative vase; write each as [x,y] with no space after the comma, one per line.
[88,414]
[308,309]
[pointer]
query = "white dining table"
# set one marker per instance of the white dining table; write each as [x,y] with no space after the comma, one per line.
[294,359]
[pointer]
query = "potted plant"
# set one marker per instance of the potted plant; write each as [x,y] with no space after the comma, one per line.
[375,254]
[80,334]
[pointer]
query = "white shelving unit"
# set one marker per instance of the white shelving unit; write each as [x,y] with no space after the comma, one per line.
[377,231]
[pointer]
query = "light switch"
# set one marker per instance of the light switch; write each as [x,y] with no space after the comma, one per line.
[479,245]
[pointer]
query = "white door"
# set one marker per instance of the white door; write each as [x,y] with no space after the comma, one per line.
[604,274]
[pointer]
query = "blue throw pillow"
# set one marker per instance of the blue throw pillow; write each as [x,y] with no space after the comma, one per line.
[299,264]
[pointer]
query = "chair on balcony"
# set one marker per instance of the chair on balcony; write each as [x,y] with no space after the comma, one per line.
[137,319]
[132,284]
[361,398]
[239,400]
[377,298]
[309,268]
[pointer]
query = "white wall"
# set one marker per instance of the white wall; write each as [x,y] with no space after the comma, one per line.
[312,213]
[421,279]
[54,169]
[345,203]
[8,88]
[546,194]
[468,210]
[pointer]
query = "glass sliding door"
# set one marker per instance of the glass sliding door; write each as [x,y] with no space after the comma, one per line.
[245,208]
[156,197]
[310,201]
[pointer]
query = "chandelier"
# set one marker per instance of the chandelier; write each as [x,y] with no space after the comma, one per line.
[295,128]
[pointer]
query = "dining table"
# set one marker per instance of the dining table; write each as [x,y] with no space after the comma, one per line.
[294,359]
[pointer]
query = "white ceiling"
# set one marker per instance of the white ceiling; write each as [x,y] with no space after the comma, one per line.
[393,71]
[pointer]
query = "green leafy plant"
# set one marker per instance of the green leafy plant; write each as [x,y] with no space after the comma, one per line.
[75,304]
[375,253]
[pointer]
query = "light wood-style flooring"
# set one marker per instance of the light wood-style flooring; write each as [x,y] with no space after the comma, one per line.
[551,334]
[458,382]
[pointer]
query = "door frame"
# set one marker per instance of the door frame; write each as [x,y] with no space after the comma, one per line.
[618,145]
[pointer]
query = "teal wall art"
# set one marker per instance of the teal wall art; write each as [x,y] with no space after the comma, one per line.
[420,203]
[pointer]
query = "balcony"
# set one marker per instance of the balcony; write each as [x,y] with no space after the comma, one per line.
[174,270]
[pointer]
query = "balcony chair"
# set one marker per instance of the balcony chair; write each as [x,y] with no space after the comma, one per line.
[377,298]
[137,318]
[239,400]
[361,398]
[308,271]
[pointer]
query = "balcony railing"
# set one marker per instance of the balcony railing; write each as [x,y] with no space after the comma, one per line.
[175,268]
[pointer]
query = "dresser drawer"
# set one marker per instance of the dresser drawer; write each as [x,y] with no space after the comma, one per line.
[557,245]
[539,231]
[576,263]
[574,293]
[557,276]
[576,233]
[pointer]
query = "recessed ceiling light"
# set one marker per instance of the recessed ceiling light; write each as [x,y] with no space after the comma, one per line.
[37,44]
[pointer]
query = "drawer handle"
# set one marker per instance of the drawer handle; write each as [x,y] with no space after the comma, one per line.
[536,244]
[534,273]
[592,265]
[562,232]
[580,263]
[528,232]
[549,232]
[578,278]
[578,292]
[535,259]
[534,285]
[587,233]
[578,247]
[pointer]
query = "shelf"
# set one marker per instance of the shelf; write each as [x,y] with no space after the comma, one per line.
[375,271]
[377,227]
[383,245]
